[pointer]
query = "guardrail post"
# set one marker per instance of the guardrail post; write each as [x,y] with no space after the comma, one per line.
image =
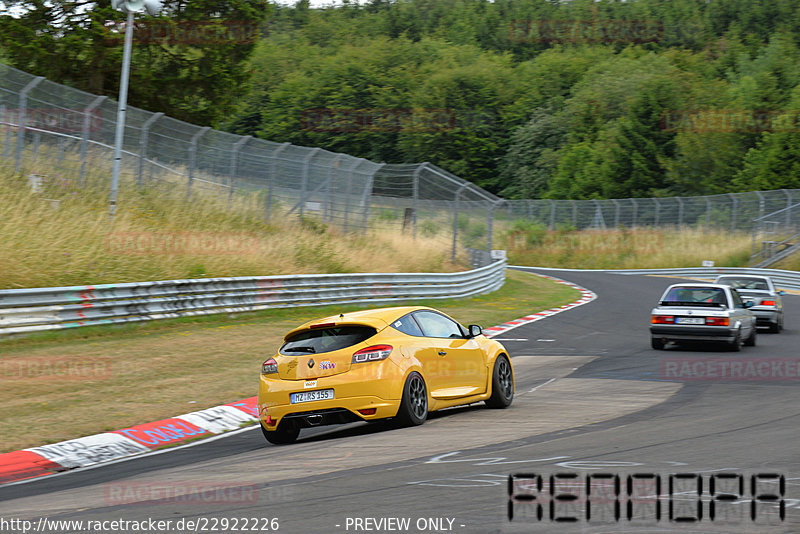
[272,173]
[415,200]
[22,119]
[304,180]
[85,131]
[455,221]
[237,146]
[143,140]
[552,214]
[193,157]
[366,197]
[734,207]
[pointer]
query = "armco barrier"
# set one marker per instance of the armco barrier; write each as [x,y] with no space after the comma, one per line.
[54,308]
[782,279]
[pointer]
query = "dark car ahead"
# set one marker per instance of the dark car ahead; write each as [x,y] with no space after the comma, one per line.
[702,312]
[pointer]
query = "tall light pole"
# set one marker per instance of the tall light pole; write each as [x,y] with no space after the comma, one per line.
[130,7]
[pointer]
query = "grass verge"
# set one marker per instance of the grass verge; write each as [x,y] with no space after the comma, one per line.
[150,371]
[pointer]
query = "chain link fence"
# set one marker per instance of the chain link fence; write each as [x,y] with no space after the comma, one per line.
[46,121]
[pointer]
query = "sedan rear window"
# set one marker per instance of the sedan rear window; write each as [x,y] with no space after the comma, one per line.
[695,296]
[745,283]
[320,340]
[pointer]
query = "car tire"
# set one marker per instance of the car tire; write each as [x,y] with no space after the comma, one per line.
[751,340]
[776,326]
[736,344]
[413,409]
[283,435]
[657,343]
[502,384]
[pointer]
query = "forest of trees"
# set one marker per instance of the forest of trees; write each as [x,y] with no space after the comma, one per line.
[526,98]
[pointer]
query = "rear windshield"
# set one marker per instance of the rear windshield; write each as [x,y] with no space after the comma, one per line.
[326,339]
[694,296]
[745,283]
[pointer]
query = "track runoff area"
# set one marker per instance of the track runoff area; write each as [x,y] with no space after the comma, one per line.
[605,435]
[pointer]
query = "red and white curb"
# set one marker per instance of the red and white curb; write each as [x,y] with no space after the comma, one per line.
[140,439]
[586,297]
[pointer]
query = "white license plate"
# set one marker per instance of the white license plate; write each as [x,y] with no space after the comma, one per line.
[308,396]
[690,320]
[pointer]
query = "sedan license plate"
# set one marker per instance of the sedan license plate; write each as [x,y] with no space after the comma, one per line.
[308,396]
[690,320]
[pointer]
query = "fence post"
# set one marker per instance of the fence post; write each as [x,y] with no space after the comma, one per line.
[366,198]
[22,119]
[708,214]
[788,204]
[552,214]
[193,157]
[574,214]
[490,226]
[85,130]
[760,204]
[327,214]
[272,173]
[635,211]
[658,214]
[530,210]
[237,146]
[455,221]
[415,201]
[143,140]
[734,207]
[616,212]
[680,212]
[304,181]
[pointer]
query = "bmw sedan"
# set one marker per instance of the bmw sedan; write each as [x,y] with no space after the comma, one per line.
[401,363]
[766,299]
[702,312]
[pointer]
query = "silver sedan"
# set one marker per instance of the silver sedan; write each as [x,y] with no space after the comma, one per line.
[702,312]
[766,299]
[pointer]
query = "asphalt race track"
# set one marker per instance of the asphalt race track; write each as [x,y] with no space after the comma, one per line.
[592,398]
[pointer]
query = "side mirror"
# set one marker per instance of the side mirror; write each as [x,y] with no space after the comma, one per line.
[781,292]
[749,304]
[475,330]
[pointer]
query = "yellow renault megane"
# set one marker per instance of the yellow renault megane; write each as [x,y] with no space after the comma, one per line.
[401,362]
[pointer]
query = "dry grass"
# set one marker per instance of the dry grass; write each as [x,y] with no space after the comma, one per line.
[157,234]
[638,248]
[161,371]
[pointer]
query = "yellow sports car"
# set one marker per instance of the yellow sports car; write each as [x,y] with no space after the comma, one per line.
[392,362]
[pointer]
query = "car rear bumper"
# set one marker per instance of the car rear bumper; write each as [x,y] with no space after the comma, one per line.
[765,316]
[379,388]
[693,333]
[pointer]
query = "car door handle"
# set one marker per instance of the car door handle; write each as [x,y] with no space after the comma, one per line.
[442,353]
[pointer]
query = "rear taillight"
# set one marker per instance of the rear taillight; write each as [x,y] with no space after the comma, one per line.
[768,303]
[372,354]
[269,367]
[662,319]
[717,321]
[368,411]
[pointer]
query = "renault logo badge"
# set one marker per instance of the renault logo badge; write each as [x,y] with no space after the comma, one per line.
[311,363]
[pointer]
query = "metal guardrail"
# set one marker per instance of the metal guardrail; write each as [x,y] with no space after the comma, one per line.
[55,308]
[782,279]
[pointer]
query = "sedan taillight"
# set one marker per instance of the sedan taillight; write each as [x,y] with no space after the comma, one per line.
[768,303]
[662,319]
[372,354]
[717,321]
[269,367]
